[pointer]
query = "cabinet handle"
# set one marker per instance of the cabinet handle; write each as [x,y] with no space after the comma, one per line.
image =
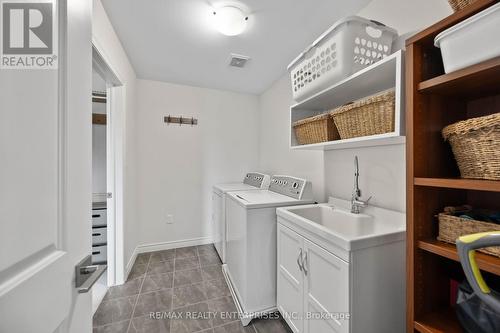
[299,259]
[305,263]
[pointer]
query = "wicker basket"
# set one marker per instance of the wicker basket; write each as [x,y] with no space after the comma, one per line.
[451,227]
[315,129]
[369,116]
[456,5]
[476,145]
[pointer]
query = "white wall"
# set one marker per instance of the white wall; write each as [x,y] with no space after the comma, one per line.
[170,170]
[382,169]
[406,15]
[177,165]
[105,38]
[275,154]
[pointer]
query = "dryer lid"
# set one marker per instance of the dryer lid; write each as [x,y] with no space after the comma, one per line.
[264,198]
[230,187]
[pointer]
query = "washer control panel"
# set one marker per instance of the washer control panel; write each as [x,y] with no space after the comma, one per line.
[290,186]
[257,179]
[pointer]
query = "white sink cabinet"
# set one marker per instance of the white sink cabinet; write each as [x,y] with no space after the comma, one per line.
[336,284]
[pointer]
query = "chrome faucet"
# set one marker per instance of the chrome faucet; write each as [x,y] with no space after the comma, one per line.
[356,203]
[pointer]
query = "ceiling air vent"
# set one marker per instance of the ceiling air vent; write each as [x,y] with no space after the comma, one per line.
[238,60]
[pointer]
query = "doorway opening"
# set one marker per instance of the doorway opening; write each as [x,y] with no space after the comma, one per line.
[107,175]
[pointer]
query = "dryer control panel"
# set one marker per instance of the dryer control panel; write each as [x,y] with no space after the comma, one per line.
[296,188]
[258,180]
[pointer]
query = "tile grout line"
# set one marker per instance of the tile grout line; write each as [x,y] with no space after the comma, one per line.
[140,288]
[202,283]
[172,299]
[231,322]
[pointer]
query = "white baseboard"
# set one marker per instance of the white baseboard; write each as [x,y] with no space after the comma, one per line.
[164,246]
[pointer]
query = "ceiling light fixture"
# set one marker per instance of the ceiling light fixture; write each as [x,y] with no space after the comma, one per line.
[229,20]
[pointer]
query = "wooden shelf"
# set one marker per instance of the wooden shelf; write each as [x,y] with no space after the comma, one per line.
[482,78]
[443,321]
[465,184]
[485,262]
[98,119]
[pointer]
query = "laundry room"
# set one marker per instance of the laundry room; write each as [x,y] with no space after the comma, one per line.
[252,167]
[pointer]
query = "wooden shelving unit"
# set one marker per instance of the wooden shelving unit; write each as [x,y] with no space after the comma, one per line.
[434,100]
[382,75]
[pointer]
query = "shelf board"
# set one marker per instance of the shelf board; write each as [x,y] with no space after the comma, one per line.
[482,78]
[459,183]
[484,261]
[368,81]
[443,321]
[366,141]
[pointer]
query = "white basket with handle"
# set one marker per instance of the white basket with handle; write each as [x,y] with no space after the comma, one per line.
[351,44]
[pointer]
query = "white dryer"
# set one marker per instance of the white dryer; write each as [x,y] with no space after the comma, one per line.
[251,223]
[252,181]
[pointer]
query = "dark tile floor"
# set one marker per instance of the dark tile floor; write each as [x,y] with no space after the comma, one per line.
[176,291]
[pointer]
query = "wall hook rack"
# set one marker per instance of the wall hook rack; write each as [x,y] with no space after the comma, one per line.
[180,120]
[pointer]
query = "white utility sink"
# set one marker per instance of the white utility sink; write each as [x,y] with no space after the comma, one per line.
[335,222]
[333,261]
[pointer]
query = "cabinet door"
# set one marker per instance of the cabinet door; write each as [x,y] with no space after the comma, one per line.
[326,291]
[290,290]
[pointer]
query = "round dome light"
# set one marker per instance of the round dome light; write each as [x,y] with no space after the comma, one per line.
[229,20]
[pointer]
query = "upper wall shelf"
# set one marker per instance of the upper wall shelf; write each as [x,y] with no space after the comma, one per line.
[382,75]
[365,141]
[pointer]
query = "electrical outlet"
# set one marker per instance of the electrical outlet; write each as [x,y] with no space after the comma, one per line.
[170,219]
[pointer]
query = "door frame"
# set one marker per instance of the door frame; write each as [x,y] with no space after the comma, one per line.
[115,144]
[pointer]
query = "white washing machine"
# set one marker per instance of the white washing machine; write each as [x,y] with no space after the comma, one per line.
[252,181]
[251,223]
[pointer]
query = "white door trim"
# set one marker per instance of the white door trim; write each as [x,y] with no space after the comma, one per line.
[115,135]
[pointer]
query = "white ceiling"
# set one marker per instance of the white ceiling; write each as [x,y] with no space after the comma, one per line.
[173,40]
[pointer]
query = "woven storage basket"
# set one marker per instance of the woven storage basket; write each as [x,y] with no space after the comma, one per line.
[476,145]
[368,116]
[451,227]
[456,5]
[315,129]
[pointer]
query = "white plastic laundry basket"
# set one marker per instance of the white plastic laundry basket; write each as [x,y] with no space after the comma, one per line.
[349,45]
[471,41]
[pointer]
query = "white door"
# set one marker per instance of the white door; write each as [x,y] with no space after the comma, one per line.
[45,184]
[326,291]
[290,278]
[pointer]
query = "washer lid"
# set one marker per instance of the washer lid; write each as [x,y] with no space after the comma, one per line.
[224,188]
[264,198]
